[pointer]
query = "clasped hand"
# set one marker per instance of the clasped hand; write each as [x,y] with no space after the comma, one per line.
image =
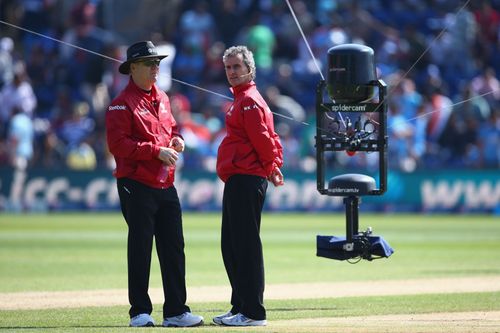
[169,155]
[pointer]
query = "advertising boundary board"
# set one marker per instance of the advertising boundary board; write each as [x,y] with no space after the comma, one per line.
[39,190]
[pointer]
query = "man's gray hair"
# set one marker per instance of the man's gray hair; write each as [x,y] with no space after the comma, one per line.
[247,57]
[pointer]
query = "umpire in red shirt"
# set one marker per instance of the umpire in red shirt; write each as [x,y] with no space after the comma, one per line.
[144,139]
[249,156]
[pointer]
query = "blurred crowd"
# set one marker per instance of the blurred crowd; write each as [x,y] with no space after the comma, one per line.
[440,59]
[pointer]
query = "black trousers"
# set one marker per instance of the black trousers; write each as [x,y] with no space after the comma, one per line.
[149,213]
[241,246]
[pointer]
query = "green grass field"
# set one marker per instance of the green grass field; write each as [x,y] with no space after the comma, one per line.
[72,252]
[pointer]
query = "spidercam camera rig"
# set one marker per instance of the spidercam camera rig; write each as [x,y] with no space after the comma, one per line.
[355,121]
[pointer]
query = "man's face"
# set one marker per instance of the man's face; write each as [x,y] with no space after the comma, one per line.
[145,72]
[237,72]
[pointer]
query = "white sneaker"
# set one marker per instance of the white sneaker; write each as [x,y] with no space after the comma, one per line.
[218,319]
[240,320]
[187,319]
[142,320]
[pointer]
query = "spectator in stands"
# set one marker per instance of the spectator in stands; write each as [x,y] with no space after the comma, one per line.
[77,127]
[6,68]
[285,108]
[459,142]
[73,135]
[198,24]
[414,39]
[418,143]
[408,98]
[470,105]
[17,95]
[262,41]
[195,134]
[489,141]
[229,20]
[20,139]
[441,109]
[164,47]
[488,19]
[487,85]
[84,69]
[400,133]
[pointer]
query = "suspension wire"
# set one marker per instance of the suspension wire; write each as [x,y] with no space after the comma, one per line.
[429,46]
[291,118]
[308,48]
[310,51]
[391,89]
[451,105]
[405,74]
[398,82]
[305,39]
[420,57]
[307,45]
[119,61]
[59,41]
[443,108]
[202,89]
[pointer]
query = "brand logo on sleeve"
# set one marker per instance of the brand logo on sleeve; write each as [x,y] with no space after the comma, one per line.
[162,108]
[117,107]
[246,108]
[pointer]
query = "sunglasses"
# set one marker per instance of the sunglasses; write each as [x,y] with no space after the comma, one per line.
[150,63]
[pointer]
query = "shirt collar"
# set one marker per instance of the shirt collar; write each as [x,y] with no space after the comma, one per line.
[132,85]
[242,87]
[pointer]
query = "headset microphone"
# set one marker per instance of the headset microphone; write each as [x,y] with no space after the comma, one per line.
[245,74]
